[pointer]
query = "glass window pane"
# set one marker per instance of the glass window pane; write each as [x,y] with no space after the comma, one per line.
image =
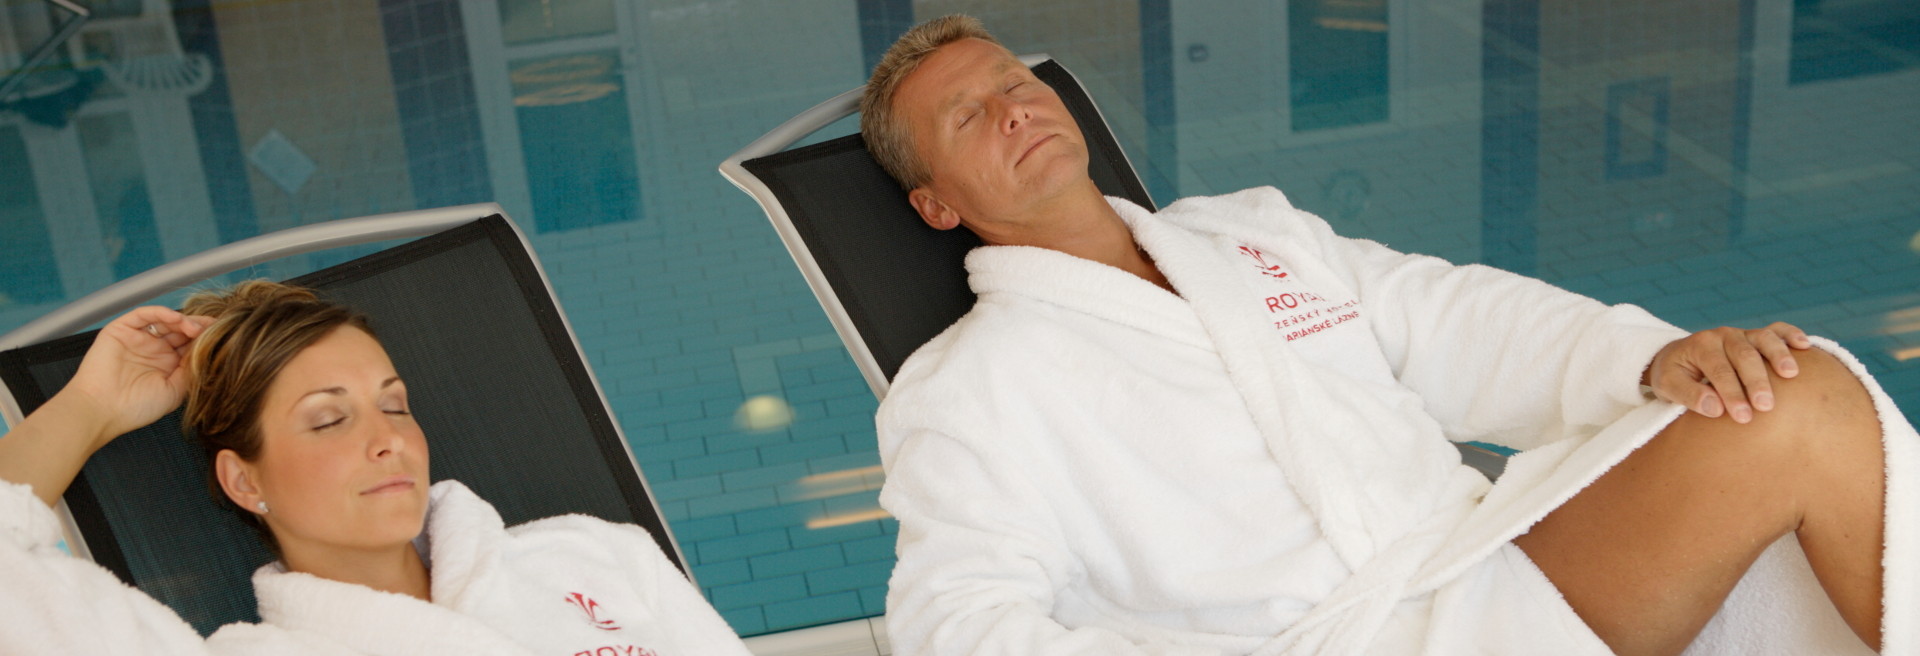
[1849,38]
[28,274]
[1337,56]
[577,139]
[119,183]
[530,21]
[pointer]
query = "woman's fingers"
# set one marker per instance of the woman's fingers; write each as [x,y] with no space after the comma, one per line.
[174,339]
[142,328]
[146,318]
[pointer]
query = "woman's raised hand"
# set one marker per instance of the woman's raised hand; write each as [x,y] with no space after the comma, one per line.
[134,373]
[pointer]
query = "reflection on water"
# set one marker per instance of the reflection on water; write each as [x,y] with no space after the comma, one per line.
[577,139]
[855,517]
[763,413]
[562,80]
[839,483]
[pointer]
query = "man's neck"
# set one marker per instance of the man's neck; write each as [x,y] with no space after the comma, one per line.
[397,570]
[1084,225]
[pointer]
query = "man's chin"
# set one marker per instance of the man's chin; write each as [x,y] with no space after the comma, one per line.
[1056,172]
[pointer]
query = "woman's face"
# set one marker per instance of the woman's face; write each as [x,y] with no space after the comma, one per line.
[342,463]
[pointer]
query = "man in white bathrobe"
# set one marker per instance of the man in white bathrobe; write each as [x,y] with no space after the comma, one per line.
[1221,428]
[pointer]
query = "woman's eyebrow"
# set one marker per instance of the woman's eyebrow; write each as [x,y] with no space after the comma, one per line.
[327,390]
[337,390]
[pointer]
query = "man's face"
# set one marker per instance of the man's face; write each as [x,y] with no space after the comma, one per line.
[998,141]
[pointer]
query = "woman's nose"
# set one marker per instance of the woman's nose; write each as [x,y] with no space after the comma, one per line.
[388,438]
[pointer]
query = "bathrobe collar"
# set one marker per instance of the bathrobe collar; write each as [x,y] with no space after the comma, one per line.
[1206,315]
[376,622]
[1084,286]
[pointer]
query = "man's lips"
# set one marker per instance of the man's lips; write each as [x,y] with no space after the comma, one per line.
[1032,147]
[394,483]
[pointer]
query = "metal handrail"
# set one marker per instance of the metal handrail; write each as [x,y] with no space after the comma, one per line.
[60,35]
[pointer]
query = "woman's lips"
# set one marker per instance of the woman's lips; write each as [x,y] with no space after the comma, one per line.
[395,483]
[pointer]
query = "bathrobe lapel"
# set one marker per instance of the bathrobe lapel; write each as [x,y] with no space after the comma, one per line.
[1310,446]
[384,623]
[1350,473]
[372,622]
[1087,287]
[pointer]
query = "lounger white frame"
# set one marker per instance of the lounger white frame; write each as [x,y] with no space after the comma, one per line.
[144,287]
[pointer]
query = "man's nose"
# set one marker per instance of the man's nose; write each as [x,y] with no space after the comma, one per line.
[1013,114]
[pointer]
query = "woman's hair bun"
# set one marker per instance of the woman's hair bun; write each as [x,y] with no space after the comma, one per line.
[247,295]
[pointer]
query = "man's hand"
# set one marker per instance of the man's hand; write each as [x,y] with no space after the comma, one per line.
[1725,369]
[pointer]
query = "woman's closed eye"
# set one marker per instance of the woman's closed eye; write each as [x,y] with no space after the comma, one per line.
[395,403]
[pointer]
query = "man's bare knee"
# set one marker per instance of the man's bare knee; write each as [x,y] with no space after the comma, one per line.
[1819,418]
[1824,394]
[1825,407]
[1824,384]
[1822,431]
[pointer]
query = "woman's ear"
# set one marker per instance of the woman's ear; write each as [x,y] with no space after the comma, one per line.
[236,478]
[937,214]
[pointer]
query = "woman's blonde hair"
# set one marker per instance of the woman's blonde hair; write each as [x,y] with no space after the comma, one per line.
[259,326]
[885,131]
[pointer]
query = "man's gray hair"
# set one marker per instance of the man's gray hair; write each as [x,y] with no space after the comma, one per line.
[886,132]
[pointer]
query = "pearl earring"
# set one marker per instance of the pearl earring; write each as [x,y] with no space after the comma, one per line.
[262,506]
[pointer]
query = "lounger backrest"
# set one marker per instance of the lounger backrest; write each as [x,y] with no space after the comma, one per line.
[888,281]
[494,377]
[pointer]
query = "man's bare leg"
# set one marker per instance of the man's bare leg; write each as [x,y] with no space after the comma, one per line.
[1647,554]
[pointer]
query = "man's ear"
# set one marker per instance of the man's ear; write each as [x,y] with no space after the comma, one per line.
[937,214]
[236,479]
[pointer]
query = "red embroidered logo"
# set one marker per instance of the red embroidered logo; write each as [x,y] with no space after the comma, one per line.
[592,609]
[1269,270]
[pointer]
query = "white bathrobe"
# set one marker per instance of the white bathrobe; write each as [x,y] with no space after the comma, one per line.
[560,586]
[1086,463]
[53,603]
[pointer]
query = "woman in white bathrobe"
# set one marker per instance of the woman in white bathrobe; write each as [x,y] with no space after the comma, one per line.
[310,434]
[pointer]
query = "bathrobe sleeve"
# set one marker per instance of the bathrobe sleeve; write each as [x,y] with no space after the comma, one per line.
[979,577]
[53,603]
[1496,356]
